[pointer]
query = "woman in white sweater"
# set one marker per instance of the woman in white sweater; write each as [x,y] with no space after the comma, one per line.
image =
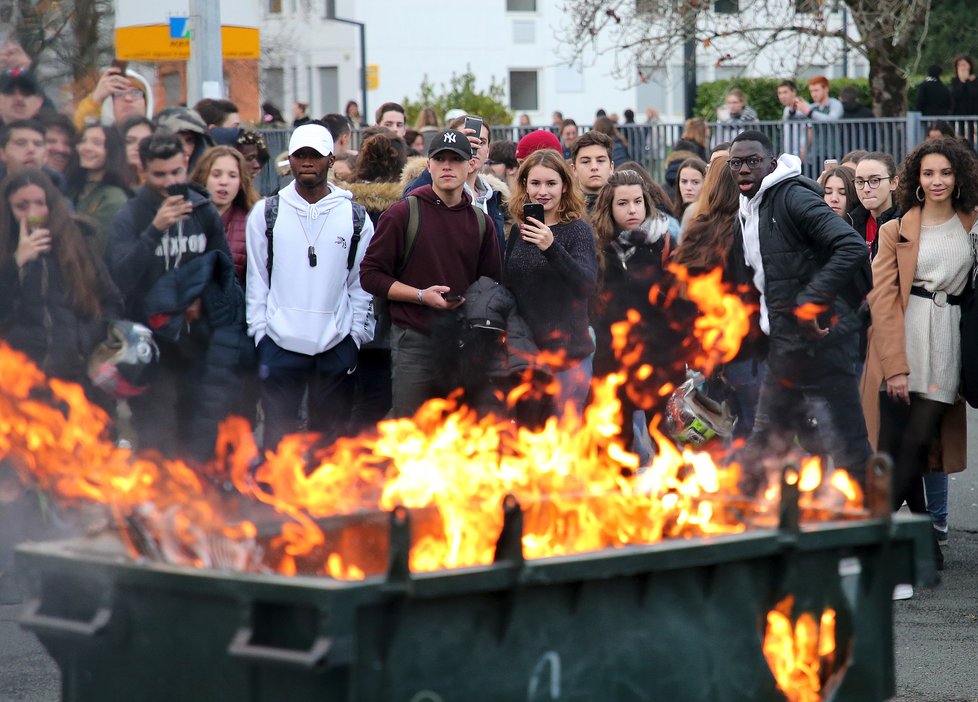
[912,378]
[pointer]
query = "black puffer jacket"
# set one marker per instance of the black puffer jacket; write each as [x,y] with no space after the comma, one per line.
[224,347]
[812,259]
[489,305]
[39,318]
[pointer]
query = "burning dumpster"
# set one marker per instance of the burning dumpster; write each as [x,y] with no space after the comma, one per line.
[711,618]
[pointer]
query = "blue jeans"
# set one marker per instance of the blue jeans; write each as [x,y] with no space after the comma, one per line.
[285,377]
[745,379]
[935,491]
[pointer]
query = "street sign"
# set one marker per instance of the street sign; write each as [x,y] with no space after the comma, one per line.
[373,76]
[160,31]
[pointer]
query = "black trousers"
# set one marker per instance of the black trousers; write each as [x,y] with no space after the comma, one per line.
[907,433]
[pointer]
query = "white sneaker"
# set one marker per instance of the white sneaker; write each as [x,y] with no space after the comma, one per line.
[903,592]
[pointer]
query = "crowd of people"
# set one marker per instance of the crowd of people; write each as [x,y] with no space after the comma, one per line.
[434,258]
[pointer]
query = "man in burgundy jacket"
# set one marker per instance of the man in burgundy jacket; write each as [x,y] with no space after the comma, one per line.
[449,254]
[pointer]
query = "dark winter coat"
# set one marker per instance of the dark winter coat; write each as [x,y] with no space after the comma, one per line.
[138,254]
[218,339]
[489,305]
[964,97]
[812,261]
[933,98]
[39,318]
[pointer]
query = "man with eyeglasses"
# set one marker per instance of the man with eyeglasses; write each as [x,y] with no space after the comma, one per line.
[810,267]
[119,93]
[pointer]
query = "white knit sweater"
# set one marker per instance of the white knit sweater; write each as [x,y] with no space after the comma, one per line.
[944,262]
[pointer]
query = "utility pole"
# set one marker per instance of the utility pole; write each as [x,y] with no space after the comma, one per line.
[205,69]
[689,56]
[331,15]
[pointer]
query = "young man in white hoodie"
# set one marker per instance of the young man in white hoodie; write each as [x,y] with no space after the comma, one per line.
[306,309]
[806,261]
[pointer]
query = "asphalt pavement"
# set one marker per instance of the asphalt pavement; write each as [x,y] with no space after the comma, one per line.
[936,631]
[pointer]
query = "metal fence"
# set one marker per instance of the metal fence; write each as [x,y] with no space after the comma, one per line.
[651,144]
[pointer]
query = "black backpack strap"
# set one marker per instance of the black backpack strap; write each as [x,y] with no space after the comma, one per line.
[359,215]
[271,214]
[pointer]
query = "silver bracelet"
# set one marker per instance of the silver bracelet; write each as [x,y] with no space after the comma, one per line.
[421,296]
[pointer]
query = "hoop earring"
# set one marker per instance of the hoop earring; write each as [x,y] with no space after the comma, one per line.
[919,192]
[958,194]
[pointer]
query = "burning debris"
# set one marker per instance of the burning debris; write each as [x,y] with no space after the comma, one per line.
[802,654]
[581,489]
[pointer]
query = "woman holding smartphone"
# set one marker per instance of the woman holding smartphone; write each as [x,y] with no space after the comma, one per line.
[551,266]
[56,291]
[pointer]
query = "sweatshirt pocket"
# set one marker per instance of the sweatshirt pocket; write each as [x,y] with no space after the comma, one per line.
[303,331]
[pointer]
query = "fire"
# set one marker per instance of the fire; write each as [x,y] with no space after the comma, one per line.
[801,656]
[809,311]
[580,488]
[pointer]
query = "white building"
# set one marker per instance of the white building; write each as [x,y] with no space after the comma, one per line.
[307,57]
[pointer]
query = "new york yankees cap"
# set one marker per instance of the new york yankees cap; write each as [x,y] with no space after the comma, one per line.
[451,140]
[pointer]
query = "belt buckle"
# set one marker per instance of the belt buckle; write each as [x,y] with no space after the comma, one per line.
[940,298]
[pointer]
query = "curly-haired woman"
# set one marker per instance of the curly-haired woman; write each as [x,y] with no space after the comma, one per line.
[910,385]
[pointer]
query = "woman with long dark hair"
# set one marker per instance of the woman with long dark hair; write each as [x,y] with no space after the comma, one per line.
[97,178]
[689,182]
[552,270]
[712,240]
[55,289]
[621,152]
[911,382]
[839,187]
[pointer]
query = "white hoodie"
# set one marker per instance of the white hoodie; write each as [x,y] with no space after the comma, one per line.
[309,309]
[789,166]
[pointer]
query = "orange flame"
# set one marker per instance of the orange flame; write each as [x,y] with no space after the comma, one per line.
[801,656]
[580,488]
[809,311]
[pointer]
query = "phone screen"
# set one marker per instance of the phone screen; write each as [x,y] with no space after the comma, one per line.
[533,209]
[475,124]
[121,65]
[180,189]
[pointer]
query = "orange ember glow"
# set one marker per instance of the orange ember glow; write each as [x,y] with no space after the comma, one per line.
[306,508]
[809,311]
[801,656]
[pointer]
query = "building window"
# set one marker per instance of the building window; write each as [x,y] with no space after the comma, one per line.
[521,5]
[726,7]
[274,7]
[523,90]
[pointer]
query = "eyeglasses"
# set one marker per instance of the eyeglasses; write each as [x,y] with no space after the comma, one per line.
[753,163]
[873,182]
[130,94]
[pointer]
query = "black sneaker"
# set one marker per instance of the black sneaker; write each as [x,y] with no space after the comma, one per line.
[941,535]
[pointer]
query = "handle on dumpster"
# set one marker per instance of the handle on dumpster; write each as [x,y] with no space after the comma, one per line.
[242,647]
[33,620]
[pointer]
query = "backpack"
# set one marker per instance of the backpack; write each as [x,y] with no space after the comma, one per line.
[861,282]
[271,214]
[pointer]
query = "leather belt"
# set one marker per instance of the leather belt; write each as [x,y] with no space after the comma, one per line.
[940,298]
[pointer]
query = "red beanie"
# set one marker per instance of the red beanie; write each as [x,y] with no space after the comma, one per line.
[534,141]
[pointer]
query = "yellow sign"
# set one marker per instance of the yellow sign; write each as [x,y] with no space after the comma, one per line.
[153,43]
[373,76]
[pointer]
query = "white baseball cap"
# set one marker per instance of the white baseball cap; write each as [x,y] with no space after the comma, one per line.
[313,136]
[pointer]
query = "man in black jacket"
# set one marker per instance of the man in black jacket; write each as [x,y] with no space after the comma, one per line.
[805,260]
[165,226]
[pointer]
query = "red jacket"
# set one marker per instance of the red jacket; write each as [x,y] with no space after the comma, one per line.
[234,228]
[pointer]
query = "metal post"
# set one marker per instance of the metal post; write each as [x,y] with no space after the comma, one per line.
[915,131]
[845,41]
[205,69]
[689,58]
[331,15]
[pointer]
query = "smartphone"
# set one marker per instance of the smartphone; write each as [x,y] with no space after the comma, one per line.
[451,298]
[121,65]
[533,209]
[829,163]
[475,124]
[180,189]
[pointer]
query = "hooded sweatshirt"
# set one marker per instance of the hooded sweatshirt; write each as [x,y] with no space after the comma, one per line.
[446,252]
[789,166]
[308,309]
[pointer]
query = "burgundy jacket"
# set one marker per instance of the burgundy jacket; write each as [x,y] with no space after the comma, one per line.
[234,228]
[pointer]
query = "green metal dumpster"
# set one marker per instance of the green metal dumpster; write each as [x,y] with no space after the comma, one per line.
[678,620]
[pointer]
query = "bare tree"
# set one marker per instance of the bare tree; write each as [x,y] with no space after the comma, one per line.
[648,33]
[69,40]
